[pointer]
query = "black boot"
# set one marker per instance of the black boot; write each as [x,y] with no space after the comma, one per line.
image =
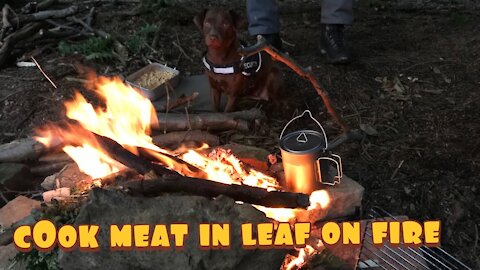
[332,44]
[274,40]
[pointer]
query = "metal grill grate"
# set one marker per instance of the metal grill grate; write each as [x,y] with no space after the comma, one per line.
[399,257]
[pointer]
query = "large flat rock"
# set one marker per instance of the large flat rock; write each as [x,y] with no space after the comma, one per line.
[108,207]
[16,210]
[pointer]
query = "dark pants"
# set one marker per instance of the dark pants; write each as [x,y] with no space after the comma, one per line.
[263,15]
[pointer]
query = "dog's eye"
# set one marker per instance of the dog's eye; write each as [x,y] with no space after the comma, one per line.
[226,25]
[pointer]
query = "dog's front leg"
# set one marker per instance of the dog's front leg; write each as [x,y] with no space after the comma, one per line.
[216,97]
[231,99]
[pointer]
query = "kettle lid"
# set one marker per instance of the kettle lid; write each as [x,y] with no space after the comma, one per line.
[303,141]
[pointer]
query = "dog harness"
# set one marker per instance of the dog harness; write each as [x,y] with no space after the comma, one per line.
[247,66]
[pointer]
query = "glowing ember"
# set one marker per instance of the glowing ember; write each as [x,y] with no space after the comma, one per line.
[304,254]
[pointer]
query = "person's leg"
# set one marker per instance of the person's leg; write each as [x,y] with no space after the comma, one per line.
[335,14]
[263,20]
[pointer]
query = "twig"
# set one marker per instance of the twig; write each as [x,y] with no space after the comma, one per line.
[181,49]
[89,18]
[476,239]
[188,119]
[288,43]
[180,101]
[11,94]
[5,23]
[156,38]
[396,170]
[73,79]
[3,197]
[167,88]
[41,70]
[47,14]
[307,73]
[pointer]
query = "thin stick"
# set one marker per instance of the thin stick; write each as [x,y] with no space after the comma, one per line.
[167,88]
[181,49]
[3,197]
[41,70]
[396,170]
[188,119]
[476,239]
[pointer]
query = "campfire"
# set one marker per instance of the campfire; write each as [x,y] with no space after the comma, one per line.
[123,122]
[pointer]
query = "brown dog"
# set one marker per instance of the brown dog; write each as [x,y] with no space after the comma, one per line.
[256,78]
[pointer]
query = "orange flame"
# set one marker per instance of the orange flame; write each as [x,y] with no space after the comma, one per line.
[126,117]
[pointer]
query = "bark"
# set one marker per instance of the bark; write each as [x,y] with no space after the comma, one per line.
[207,188]
[21,150]
[48,169]
[46,14]
[177,137]
[9,43]
[208,121]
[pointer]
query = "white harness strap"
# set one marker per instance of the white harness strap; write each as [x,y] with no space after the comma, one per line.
[246,68]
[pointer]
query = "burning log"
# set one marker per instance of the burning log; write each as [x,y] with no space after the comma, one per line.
[175,138]
[207,188]
[21,150]
[211,121]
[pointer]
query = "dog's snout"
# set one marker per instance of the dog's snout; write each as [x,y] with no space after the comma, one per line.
[213,37]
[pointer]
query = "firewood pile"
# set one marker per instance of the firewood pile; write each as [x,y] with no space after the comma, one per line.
[27,31]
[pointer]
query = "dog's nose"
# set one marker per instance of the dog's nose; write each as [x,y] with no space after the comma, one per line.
[213,37]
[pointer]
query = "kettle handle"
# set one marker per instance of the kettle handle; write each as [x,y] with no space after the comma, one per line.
[338,164]
[316,121]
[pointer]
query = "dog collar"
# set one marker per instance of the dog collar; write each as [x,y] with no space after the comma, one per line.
[247,66]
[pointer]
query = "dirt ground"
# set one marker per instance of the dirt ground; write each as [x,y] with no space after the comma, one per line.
[413,87]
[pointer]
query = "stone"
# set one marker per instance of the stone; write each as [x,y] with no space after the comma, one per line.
[50,182]
[348,254]
[345,200]
[7,253]
[69,177]
[16,210]
[107,207]
[15,176]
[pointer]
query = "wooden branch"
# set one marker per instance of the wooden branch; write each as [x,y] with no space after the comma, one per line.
[262,45]
[211,189]
[208,121]
[177,137]
[55,157]
[46,14]
[179,102]
[12,39]
[21,150]
[48,169]
[6,25]
[45,4]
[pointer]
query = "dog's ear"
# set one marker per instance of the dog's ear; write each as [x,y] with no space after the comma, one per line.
[238,21]
[199,18]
